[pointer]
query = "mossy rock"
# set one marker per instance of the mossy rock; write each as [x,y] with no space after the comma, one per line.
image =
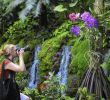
[51,46]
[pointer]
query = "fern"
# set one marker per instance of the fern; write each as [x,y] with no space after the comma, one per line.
[38,8]
[13,4]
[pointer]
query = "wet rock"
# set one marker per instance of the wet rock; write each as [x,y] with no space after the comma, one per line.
[56,62]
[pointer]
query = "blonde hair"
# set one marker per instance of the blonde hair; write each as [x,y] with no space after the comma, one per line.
[7,49]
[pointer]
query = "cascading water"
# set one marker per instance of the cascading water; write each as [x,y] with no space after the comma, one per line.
[34,70]
[63,71]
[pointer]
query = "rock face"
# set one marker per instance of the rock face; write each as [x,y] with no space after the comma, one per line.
[72,85]
[56,62]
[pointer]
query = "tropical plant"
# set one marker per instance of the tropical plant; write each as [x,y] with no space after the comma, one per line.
[27,6]
[86,27]
[86,41]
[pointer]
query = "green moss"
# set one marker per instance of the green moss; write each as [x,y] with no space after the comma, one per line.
[80,56]
[22,43]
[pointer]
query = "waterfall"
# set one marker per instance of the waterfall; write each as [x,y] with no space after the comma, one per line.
[63,71]
[34,70]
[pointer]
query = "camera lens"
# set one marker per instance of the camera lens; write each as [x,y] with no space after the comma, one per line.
[26,48]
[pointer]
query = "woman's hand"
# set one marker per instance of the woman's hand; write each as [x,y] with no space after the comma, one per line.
[15,67]
[20,52]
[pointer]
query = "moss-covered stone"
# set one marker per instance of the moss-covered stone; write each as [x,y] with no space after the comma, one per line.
[52,46]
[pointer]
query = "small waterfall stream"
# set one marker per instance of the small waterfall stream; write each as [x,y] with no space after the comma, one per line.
[34,70]
[63,71]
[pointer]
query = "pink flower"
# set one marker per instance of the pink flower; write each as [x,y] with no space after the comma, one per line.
[73,16]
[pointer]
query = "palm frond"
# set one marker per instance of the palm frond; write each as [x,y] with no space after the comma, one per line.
[13,4]
[38,8]
[29,6]
[45,1]
[33,6]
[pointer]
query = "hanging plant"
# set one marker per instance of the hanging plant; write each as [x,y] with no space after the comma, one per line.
[94,78]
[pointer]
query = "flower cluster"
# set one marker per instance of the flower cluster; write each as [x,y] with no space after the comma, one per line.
[89,20]
[86,17]
[75,30]
[73,16]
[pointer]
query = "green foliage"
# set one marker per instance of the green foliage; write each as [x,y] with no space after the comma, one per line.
[64,28]
[32,93]
[73,4]
[80,56]
[27,56]
[53,90]
[1,59]
[19,30]
[66,98]
[22,79]
[33,42]
[84,94]
[60,8]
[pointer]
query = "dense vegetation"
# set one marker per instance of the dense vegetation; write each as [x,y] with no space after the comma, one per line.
[82,24]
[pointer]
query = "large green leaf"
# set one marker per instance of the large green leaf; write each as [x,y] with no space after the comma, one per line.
[60,8]
[73,4]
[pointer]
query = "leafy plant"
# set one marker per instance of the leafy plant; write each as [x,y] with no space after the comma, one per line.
[22,80]
[33,94]
[84,94]
[60,8]
[19,30]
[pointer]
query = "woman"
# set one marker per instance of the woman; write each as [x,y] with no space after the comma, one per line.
[10,68]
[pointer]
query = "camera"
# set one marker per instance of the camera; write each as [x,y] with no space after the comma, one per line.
[26,48]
